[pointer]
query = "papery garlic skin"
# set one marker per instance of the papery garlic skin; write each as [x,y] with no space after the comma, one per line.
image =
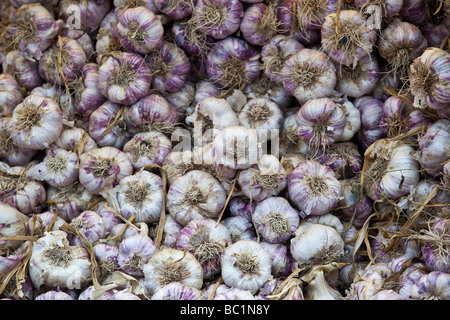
[134,253]
[58,168]
[70,139]
[265,88]
[356,208]
[391,170]
[90,225]
[106,257]
[98,165]
[246,266]
[139,30]
[261,114]
[9,152]
[36,123]
[282,261]
[343,157]
[319,288]
[387,295]
[235,294]
[177,291]
[12,223]
[141,195]
[308,74]
[171,265]
[435,246]
[265,179]
[175,10]
[109,218]
[195,195]
[432,286]
[370,110]
[259,23]
[54,295]
[314,188]
[23,69]
[240,228]
[352,116]
[428,76]
[206,242]
[10,94]
[54,263]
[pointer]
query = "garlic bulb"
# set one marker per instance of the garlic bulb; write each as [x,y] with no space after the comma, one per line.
[282,261]
[134,253]
[209,114]
[9,152]
[387,295]
[195,195]
[353,207]
[90,225]
[432,286]
[101,164]
[147,148]
[290,144]
[241,206]
[237,147]
[343,157]
[391,170]
[170,233]
[436,245]
[266,178]
[235,294]
[54,263]
[71,139]
[240,228]
[106,256]
[352,117]
[206,242]
[54,295]
[275,219]
[12,223]
[171,265]
[58,168]
[314,188]
[246,266]
[317,244]
[36,123]
[261,114]
[177,291]
[43,221]
[141,195]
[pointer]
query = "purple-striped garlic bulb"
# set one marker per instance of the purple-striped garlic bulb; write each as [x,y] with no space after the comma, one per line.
[206,241]
[237,147]
[386,8]
[10,94]
[19,191]
[397,117]
[353,208]
[275,52]
[125,4]
[182,100]
[54,295]
[265,179]
[314,188]
[171,230]
[387,79]
[316,244]
[246,265]
[352,117]
[89,12]
[343,157]
[109,217]
[90,225]
[189,38]
[263,115]
[12,223]
[311,14]
[134,253]
[177,291]
[84,39]
[170,67]
[209,115]
[58,168]
[205,89]
[9,152]
[150,113]
[400,43]
[371,110]
[141,195]
[435,34]
[32,30]
[260,23]
[36,123]
[434,148]
[23,69]
[392,169]
[432,286]
[429,79]
[320,123]
[218,18]
[241,228]
[176,10]
[124,77]
[232,63]
[241,206]
[359,79]
[195,195]
[409,277]
[70,200]
[290,144]
[107,126]
[308,74]
[71,139]
[170,265]
[435,245]
[353,40]
[86,92]
[139,30]
[101,166]
[147,148]
[275,219]
[106,256]
[62,62]
[282,261]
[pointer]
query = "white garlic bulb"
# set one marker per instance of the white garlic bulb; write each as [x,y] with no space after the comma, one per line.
[246,265]
[54,263]
[171,265]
